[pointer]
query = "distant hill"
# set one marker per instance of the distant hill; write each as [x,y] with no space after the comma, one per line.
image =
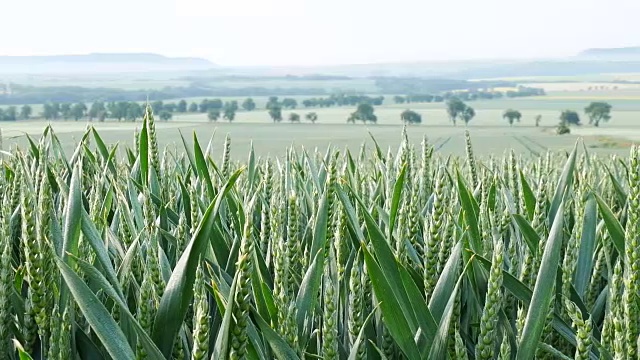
[621,53]
[100,63]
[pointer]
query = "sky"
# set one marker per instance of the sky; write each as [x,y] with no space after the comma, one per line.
[318,32]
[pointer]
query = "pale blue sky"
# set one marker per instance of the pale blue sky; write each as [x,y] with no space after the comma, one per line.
[314,32]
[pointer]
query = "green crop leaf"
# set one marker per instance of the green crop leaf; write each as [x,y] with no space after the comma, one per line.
[446,283]
[23,355]
[73,212]
[584,264]
[100,320]
[278,345]
[201,166]
[529,234]
[542,292]
[564,184]
[395,320]
[395,201]
[528,195]
[353,354]
[469,206]
[616,231]
[143,151]
[308,293]
[179,290]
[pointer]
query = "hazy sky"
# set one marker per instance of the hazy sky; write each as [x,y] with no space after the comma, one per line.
[312,32]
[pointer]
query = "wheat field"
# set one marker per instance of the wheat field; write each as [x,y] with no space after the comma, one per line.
[332,253]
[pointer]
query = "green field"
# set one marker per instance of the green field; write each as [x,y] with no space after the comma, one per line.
[313,253]
[490,130]
[268,139]
[506,211]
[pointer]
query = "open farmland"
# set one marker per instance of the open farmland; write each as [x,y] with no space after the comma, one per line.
[490,130]
[318,253]
[493,138]
[296,249]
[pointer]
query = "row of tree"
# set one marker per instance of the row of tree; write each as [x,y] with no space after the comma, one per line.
[342,100]
[469,95]
[456,109]
[120,110]
[597,112]
[11,113]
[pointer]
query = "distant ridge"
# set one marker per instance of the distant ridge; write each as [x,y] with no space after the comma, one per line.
[620,53]
[101,62]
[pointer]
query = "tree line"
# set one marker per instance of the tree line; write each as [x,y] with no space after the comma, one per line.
[456,108]
[341,99]
[23,94]
[469,95]
[12,113]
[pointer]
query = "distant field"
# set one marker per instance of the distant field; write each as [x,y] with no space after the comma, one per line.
[117,81]
[573,78]
[626,108]
[352,85]
[490,133]
[586,87]
[142,81]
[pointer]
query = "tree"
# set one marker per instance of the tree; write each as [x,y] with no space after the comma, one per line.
[399,99]
[467,114]
[25,112]
[165,115]
[311,116]
[213,115]
[193,107]
[248,104]
[50,111]
[410,117]
[598,111]
[218,104]
[132,110]
[204,106]
[56,110]
[182,106]
[455,107]
[364,112]
[273,101]
[65,109]
[157,106]
[96,109]
[570,117]
[118,110]
[294,117]
[538,118]
[232,105]
[171,107]
[289,103]
[512,115]
[11,114]
[78,111]
[275,112]
[230,109]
